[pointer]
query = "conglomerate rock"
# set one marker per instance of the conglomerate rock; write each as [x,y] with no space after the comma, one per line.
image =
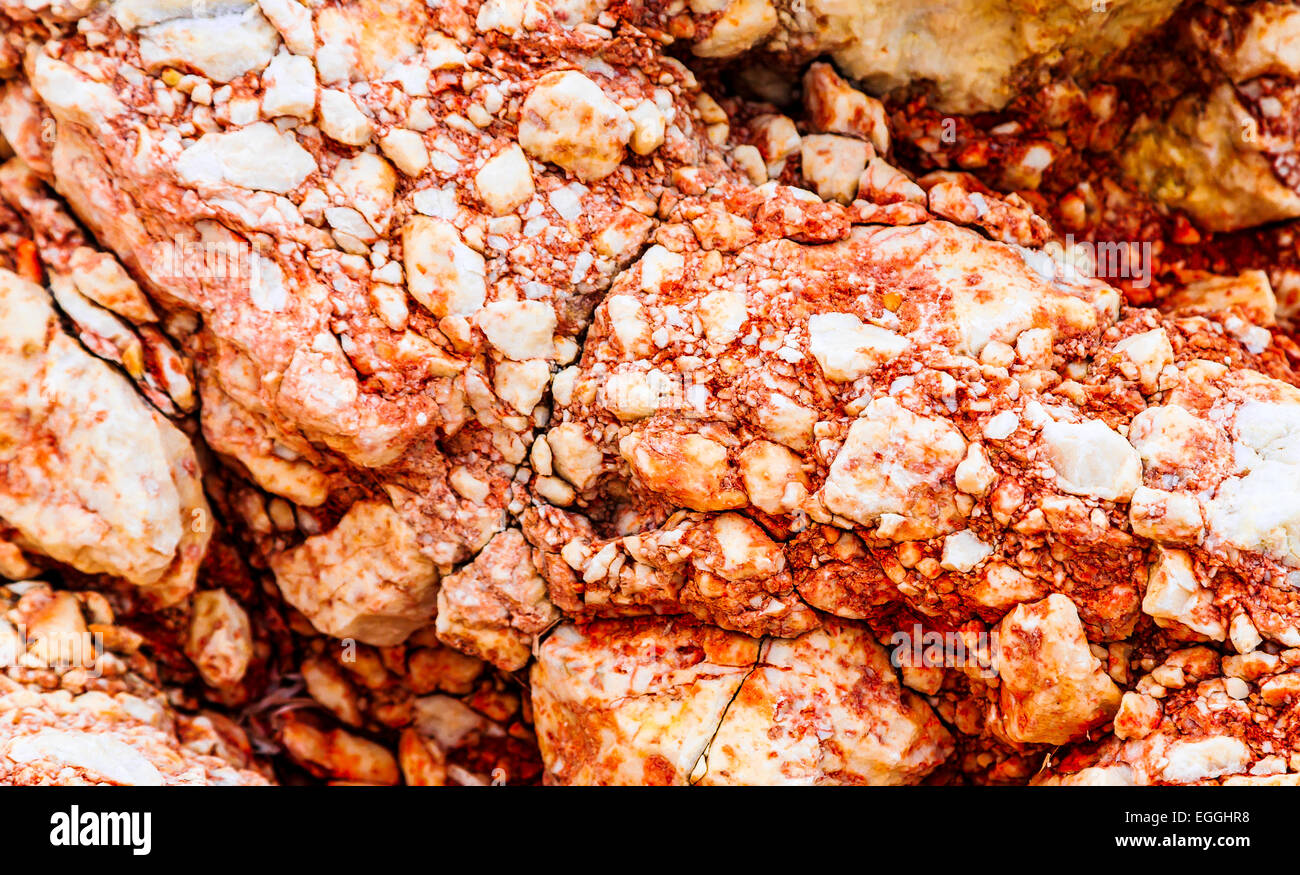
[909,422]
[402,268]
[556,404]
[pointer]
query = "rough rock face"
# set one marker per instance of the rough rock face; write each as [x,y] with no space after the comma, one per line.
[79,704]
[519,367]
